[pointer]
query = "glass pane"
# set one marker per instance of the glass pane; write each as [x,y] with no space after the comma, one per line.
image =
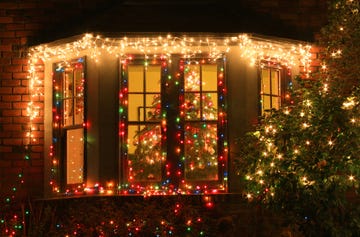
[275,82]
[276,102]
[209,77]
[144,153]
[153,78]
[136,78]
[136,108]
[79,83]
[192,77]
[201,152]
[192,106]
[68,84]
[153,107]
[266,103]
[209,106]
[265,81]
[68,112]
[75,156]
[79,110]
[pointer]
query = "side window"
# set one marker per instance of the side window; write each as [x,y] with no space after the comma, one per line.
[270,89]
[68,120]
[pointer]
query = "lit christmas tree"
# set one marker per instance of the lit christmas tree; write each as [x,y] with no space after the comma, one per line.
[200,138]
[146,162]
[303,160]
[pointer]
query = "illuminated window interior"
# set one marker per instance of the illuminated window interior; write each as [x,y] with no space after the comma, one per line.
[171,127]
[68,118]
[270,89]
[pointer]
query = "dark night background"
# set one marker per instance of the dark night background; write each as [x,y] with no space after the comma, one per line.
[295,19]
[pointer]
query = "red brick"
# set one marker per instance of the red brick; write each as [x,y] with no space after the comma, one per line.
[5,105]
[37,163]
[5,47]
[5,90]
[13,141]
[5,75]
[8,5]
[22,61]
[25,98]
[10,82]
[12,127]
[20,75]
[20,90]
[11,113]
[11,98]
[20,105]
[7,34]
[16,26]
[24,33]
[33,26]
[5,19]
[5,61]
[13,68]
[11,41]
[6,149]
[24,119]
[12,54]
[37,149]
[28,5]
[5,163]
[4,120]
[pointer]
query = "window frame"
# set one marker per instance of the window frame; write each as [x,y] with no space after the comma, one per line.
[59,147]
[172,98]
[284,84]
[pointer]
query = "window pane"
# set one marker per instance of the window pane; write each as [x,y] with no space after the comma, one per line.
[275,82]
[192,106]
[276,102]
[68,112]
[209,104]
[153,107]
[266,103]
[209,77]
[136,107]
[68,83]
[265,81]
[153,77]
[201,152]
[79,110]
[136,78]
[192,77]
[144,153]
[75,156]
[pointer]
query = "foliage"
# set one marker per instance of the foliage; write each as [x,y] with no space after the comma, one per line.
[303,159]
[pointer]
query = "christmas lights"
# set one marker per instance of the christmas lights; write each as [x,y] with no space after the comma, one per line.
[160,48]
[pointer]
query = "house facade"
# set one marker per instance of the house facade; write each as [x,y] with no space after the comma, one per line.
[154,114]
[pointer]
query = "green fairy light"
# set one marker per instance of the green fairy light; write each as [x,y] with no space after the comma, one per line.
[27,157]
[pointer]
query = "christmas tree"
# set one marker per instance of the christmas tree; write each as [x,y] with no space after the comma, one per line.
[200,137]
[145,164]
[303,160]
